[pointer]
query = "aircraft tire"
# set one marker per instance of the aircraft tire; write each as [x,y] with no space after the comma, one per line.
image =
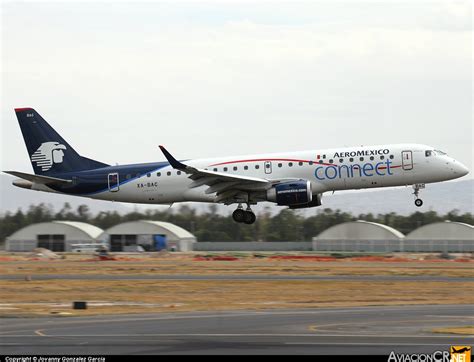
[239,215]
[249,217]
[419,202]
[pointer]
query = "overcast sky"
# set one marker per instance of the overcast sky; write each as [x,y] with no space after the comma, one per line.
[116,79]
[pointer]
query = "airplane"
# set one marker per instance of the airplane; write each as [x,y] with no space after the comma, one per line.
[295,179]
[460,350]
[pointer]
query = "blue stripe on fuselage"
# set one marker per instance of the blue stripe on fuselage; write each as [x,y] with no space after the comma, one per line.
[92,182]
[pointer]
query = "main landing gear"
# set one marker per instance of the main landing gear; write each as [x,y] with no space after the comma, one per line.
[245,216]
[417,188]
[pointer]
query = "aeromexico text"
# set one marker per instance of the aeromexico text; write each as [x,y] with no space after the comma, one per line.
[330,172]
[384,151]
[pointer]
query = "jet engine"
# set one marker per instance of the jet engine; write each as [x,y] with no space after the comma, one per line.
[291,194]
[316,202]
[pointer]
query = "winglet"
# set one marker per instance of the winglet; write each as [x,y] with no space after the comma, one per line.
[173,161]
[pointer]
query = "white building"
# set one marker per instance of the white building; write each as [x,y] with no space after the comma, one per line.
[444,236]
[148,235]
[54,235]
[358,236]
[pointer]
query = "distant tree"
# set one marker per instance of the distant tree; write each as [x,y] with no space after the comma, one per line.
[210,226]
[83,213]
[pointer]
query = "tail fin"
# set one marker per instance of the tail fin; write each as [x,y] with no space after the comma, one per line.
[49,153]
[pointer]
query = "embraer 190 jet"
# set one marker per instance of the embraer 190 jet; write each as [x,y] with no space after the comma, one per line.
[296,180]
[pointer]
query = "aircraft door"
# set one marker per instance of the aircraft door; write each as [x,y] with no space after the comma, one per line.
[407,160]
[113,179]
[268,167]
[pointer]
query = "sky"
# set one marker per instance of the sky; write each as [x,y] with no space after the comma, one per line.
[117,79]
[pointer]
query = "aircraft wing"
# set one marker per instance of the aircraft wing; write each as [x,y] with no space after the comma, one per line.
[226,186]
[45,180]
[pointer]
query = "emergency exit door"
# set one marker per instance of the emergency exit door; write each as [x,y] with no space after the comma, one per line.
[113,179]
[407,160]
[268,166]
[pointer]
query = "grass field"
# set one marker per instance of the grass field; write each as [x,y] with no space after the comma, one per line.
[35,297]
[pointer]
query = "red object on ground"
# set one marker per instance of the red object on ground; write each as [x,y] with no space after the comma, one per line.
[106,257]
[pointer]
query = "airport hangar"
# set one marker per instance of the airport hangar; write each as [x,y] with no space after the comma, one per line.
[355,236]
[149,235]
[60,236]
[55,236]
[364,236]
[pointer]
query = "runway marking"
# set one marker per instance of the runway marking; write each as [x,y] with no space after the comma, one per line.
[448,316]
[367,344]
[242,335]
[39,332]
[64,323]
[393,322]
[237,314]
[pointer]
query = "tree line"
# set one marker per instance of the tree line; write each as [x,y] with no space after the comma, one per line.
[287,225]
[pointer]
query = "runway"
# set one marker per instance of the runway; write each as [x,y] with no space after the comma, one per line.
[431,278]
[362,330]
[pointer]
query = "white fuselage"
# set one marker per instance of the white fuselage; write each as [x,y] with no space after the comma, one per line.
[326,169]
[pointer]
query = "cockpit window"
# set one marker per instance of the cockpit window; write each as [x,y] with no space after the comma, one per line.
[428,153]
[440,152]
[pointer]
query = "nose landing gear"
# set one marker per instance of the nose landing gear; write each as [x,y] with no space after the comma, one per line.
[247,216]
[417,188]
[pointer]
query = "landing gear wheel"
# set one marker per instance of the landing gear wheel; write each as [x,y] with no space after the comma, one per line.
[249,217]
[417,188]
[239,215]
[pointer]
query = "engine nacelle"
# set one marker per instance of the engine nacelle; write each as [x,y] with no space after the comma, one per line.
[316,202]
[291,193]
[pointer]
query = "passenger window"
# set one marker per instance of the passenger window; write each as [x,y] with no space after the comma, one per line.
[235,168]
[257,167]
[169,173]
[148,175]
[300,163]
[225,169]
[382,157]
[361,159]
[310,163]
[371,158]
[157,174]
[341,160]
[320,161]
[215,169]
[330,161]
[324,156]
[178,173]
[279,165]
[428,153]
[246,167]
[290,164]
[128,177]
[351,159]
[391,157]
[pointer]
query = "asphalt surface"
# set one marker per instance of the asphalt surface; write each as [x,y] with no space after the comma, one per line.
[237,277]
[363,330]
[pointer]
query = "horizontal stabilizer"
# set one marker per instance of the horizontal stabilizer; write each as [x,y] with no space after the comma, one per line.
[45,180]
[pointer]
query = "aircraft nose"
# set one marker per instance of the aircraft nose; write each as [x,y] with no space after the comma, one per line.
[459,169]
